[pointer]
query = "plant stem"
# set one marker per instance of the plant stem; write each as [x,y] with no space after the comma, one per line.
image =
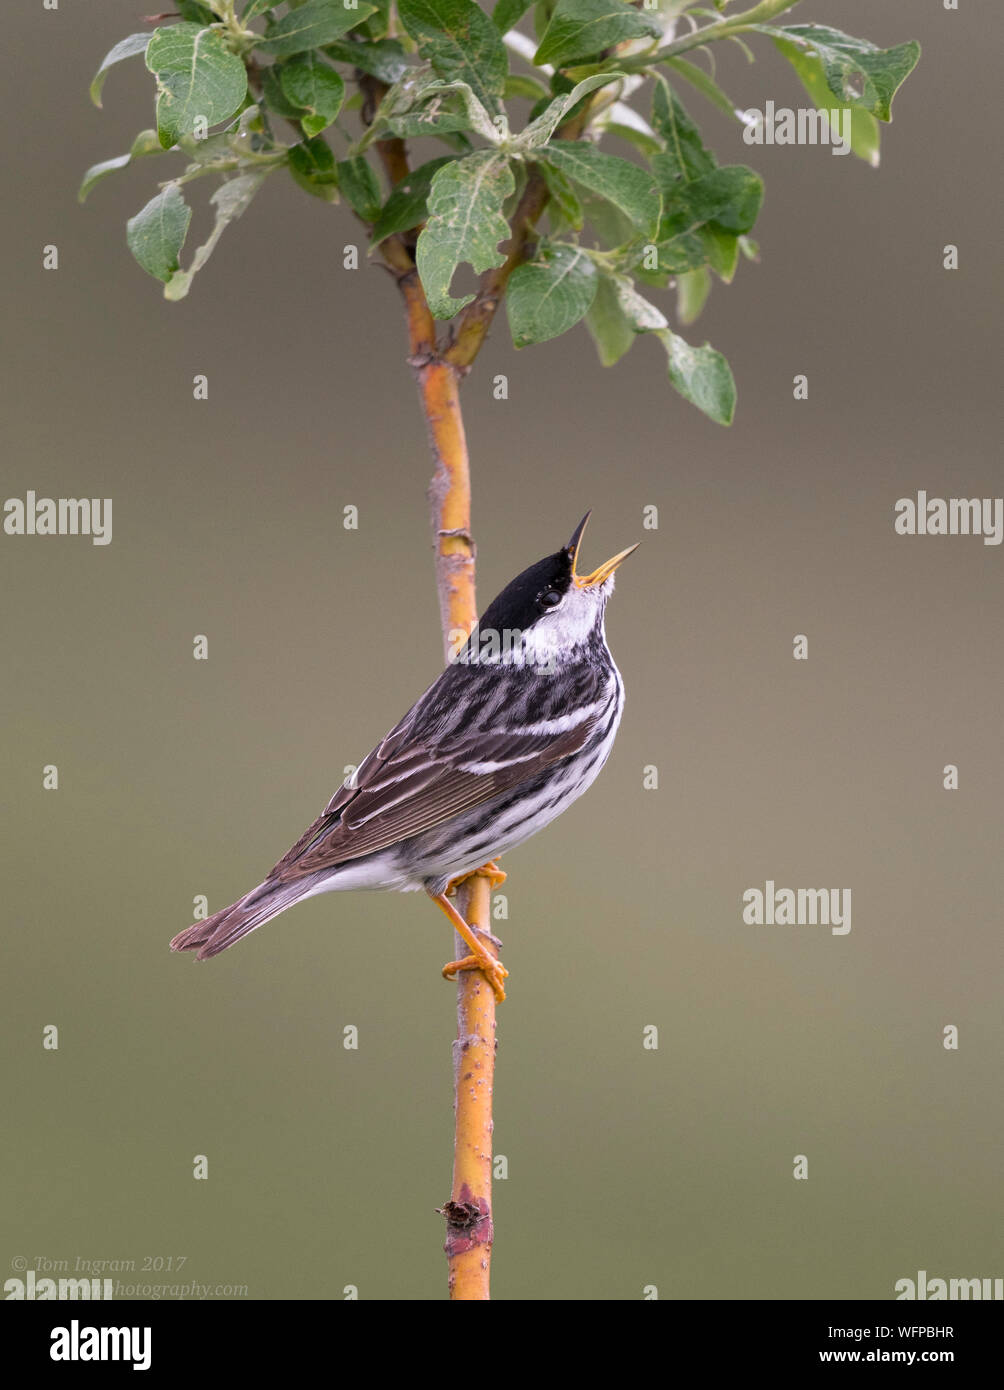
[475,319]
[469,1229]
[469,1211]
[439,370]
[711,33]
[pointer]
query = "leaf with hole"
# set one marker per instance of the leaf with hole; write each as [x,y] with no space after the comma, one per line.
[465,225]
[857,72]
[865,135]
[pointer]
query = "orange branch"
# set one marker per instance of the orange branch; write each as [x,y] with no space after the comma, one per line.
[469,1229]
[469,1211]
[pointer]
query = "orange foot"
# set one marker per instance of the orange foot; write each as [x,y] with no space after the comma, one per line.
[491,871]
[493,970]
[480,958]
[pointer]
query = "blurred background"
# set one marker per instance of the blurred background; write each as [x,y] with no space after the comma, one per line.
[627,1167]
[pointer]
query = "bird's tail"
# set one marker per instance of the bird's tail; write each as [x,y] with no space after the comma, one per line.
[227,926]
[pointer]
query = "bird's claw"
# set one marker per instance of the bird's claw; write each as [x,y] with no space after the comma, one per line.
[493,970]
[491,871]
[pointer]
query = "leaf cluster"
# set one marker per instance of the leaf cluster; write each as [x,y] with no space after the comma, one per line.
[525,104]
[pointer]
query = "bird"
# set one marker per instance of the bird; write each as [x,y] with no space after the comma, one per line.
[512,732]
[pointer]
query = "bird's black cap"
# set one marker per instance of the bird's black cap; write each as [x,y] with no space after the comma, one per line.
[519,603]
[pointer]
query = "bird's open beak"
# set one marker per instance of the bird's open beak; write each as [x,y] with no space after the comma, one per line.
[589,581]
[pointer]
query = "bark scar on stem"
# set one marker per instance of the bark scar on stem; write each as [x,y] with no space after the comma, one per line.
[468,1222]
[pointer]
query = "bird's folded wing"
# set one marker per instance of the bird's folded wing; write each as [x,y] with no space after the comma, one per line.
[407,785]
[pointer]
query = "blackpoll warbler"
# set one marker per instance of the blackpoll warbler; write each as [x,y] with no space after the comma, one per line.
[514,730]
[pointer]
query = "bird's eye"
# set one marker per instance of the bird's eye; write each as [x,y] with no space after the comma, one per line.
[550,598]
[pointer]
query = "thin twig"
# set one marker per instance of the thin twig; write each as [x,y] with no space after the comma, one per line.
[468,1213]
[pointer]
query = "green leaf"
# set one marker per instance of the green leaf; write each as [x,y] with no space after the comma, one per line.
[581,28]
[146,142]
[563,195]
[538,132]
[549,295]
[465,224]
[611,330]
[424,104]
[519,85]
[729,196]
[461,43]
[312,166]
[196,12]
[722,249]
[361,187]
[273,95]
[643,316]
[229,201]
[642,140]
[436,120]
[685,156]
[314,87]
[857,72]
[256,7]
[312,26]
[701,375]
[692,290]
[608,222]
[508,13]
[381,58]
[98,171]
[197,77]
[478,119]
[125,48]
[676,255]
[705,84]
[865,137]
[157,233]
[621,183]
[406,206]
